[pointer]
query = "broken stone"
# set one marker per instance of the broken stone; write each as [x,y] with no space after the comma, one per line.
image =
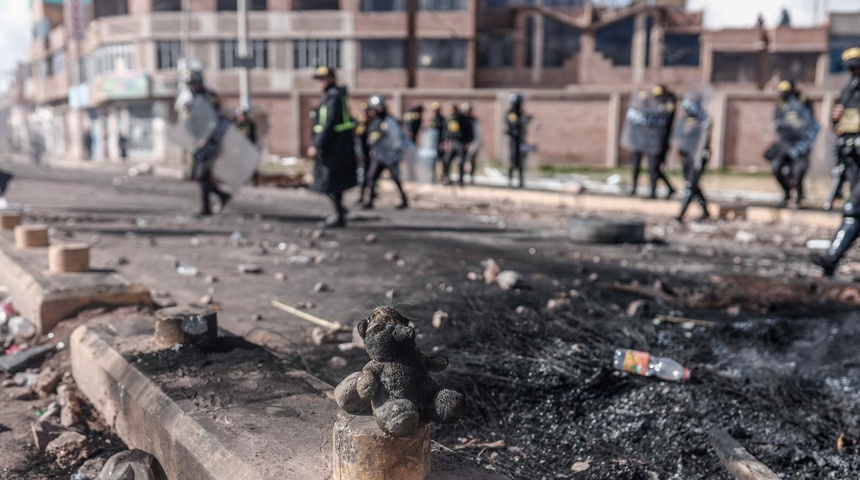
[68,449]
[522,309]
[132,464]
[491,272]
[206,300]
[317,234]
[508,279]
[211,279]
[637,308]
[47,381]
[70,405]
[337,362]
[24,379]
[186,326]
[248,268]
[554,303]
[593,277]
[305,305]
[257,317]
[44,432]
[391,256]
[280,276]
[473,277]
[401,263]
[320,287]
[320,335]
[319,259]
[91,468]
[439,317]
[370,238]
[745,237]
[734,310]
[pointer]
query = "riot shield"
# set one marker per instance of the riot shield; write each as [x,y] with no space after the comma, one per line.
[421,166]
[690,134]
[237,158]
[646,124]
[793,121]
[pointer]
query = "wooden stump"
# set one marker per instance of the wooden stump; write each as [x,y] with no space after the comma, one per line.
[71,257]
[362,451]
[186,326]
[31,236]
[9,220]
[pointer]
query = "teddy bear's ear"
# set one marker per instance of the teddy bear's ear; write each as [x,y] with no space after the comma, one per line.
[362,326]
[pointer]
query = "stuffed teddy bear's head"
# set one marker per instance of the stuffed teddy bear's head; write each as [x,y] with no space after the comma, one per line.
[387,335]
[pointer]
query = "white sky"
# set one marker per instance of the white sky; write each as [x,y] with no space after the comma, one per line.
[15,20]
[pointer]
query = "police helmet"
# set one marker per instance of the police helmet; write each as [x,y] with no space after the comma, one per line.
[515,99]
[324,72]
[193,77]
[435,106]
[851,57]
[785,86]
[658,90]
[376,102]
[466,107]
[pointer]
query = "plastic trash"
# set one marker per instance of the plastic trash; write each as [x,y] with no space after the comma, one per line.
[643,363]
[187,270]
[818,244]
[19,327]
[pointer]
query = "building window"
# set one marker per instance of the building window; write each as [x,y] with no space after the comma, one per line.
[110,8]
[140,130]
[798,66]
[383,5]
[228,54]
[316,4]
[110,58]
[85,66]
[166,5]
[615,42]
[442,53]
[383,53]
[167,54]
[681,50]
[495,51]
[560,42]
[441,5]
[232,5]
[316,52]
[58,63]
[839,44]
[735,67]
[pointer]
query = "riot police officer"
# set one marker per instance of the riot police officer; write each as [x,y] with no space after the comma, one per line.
[412,121]
[388,144]
[363,149]
[333,147]
[458,136]
[5,178]
[691,138]
[846,120]
[248,129]
[474,147]
[796,127]
[207,150]
[664,102]
[438,125]
[517,122]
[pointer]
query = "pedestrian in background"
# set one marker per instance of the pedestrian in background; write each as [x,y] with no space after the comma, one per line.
[412,122]
[333,147]
[516,122]
[388,144]
[458,136]
[248,129]
[122,143]
[87,140]
[664,102]
[438,125]
[796,128]
[474,147]
[846,123]
[362,150]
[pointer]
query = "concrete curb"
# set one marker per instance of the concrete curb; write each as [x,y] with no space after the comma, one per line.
[45,299]
[222,415]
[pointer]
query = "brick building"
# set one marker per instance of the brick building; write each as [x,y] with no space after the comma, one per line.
[577,62]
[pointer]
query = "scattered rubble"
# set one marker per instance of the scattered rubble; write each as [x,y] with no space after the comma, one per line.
[491,271]
[68,448]
[508,279]
[439,317]
[320,287]
[250,268]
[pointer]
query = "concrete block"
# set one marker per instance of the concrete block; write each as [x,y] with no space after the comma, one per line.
[70,257]
[9,220]
[186,326]
[362,451]
[27,236]
[46,299]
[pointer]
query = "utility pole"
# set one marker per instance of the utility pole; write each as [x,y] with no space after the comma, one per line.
[185,26]
[242,51]
[411,42]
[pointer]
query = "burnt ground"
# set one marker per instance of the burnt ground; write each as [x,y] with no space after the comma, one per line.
[778,372]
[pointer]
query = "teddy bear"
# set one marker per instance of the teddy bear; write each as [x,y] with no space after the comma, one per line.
[396,381]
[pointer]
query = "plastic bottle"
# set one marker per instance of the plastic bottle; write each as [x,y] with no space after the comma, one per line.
[643,363]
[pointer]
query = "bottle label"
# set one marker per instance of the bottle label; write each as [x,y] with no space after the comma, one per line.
[636,362]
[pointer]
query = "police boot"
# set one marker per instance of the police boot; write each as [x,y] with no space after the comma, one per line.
[686,198]
[703,202]
[846,235]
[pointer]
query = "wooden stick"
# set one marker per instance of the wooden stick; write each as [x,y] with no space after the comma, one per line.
[686,321]
[645,292]
[307,316]
[737,460]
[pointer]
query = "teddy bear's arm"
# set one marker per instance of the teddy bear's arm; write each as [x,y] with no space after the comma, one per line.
[366,384]
[433,364]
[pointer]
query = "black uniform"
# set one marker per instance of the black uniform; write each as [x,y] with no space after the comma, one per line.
[789,156]
[335,165]
[438,124]
[5,178]
[412,122]
[848,148]
[516,132]
[363,154]
[471,156]
[667,101]
[382,158]
[459,135]
[204,156]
